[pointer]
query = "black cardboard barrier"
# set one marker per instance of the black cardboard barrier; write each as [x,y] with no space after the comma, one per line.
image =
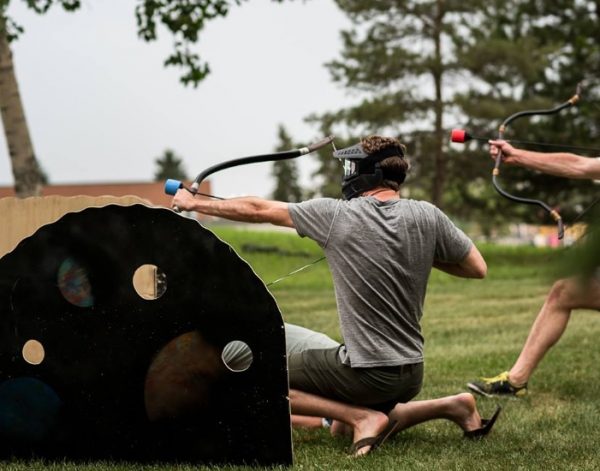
[127,378]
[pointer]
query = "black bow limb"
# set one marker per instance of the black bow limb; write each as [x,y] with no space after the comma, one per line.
[496,171]
[171,186]
[289,154]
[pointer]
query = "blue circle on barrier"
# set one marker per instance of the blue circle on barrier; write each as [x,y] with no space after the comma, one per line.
[28,409]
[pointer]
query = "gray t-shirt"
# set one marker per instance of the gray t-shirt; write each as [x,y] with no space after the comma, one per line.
[380,255]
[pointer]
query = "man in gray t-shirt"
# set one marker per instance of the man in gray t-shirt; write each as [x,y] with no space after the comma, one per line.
[381,249]
[380,253]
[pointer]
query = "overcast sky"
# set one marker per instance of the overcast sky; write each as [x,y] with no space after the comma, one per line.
[101,107]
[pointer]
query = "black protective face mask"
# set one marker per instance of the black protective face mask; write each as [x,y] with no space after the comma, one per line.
[362,172]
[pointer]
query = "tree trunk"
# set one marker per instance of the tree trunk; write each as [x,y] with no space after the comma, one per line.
[439,178]
[26,171]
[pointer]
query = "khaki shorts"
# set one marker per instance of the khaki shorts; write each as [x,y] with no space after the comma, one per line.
[321,372]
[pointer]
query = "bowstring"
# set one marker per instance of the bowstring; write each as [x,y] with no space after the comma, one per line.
[293,272]
[581,214]
[208,195]
[297,270]
[552,145]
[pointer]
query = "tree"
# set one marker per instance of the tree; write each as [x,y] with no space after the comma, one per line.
[287,186]
[329,172]
[399,57]
[562,40]
[169,165]
[26,170]
[417,65]
[184,19]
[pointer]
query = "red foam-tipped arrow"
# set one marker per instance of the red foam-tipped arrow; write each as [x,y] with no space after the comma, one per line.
[460,135]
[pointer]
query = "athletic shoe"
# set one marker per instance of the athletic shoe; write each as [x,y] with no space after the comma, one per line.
[497,386]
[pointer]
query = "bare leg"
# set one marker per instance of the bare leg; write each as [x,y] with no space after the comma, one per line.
[364,422]
[306,421]
[460,409]
[340,429]
[565,295]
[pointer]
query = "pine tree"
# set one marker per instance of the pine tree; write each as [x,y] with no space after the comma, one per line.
[329,172]
[530,55]
[169,165]
[287,186]
[399,58]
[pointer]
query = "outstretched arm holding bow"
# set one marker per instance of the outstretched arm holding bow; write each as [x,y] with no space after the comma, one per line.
[560,164]
[244,209]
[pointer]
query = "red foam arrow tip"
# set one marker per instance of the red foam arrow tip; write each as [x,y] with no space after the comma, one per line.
[459,135]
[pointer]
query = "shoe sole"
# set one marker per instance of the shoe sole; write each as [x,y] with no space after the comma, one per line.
[476,389]
[473,387]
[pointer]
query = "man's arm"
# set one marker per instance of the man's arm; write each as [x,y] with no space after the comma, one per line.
[246,209]
[472,266]
[560,164]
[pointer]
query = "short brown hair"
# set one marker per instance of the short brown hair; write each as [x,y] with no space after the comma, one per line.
[394,168]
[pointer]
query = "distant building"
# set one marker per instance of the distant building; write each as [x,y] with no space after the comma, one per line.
[22,217]
[152,192]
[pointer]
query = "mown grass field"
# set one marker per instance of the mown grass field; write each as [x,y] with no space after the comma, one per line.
[472,328]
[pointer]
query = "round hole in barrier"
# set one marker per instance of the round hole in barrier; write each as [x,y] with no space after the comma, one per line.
[149,282]
[237,356]
[33,352]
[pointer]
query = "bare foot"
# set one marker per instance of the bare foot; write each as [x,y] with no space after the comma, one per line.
[404,416]
[463,411]
[371,425]
[460,409]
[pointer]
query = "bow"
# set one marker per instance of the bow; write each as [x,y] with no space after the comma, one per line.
[171,186]
[496,171]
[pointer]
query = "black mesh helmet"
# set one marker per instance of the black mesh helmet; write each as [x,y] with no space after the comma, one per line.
[362,171]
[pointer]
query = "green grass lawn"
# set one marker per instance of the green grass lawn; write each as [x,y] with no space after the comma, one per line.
[472,328]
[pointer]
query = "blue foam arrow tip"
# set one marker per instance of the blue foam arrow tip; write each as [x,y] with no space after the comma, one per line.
[171,186]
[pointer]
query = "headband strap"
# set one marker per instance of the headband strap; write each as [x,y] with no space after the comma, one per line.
[356,152]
